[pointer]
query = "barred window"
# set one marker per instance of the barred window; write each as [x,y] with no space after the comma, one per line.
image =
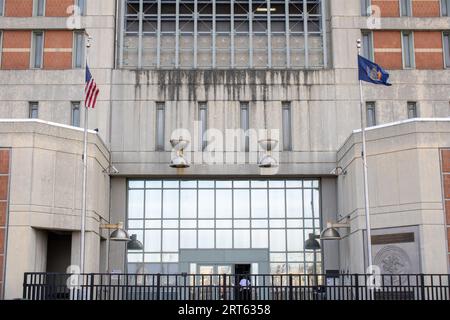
[220,34]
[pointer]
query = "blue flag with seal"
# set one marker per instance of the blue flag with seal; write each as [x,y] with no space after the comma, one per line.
[371,72]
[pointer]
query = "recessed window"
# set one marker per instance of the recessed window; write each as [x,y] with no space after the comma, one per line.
[405,8]
[245,124]
[408,50]
[287,126]
[82,6]
[203,119]
[365,4]
[370,114]
[33,110]
[367,47]
[78,49]
[226,36]
[445,8]
[447,49]
[2,5]
[37,50]
[160,126]
[39,7]
[412,110]
[75,116]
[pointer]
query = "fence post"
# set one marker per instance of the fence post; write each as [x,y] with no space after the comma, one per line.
[422,286]
[25,279]
[91,286]
[291,288]
[158,286]
[356,287]
[448,287]
[224,287]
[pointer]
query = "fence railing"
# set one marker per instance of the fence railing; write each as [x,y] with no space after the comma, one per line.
[101,286]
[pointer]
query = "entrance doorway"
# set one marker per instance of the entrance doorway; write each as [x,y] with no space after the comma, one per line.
[59,247]
[242,269]
[243,281]
[237,277]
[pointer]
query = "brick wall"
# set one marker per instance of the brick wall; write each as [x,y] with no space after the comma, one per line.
[58,50]
[426,8]
[388,49]
[24,8]
[4,183]
[445,165]
[58,8]
[428,50]
[388,8]
[420,8]
[16,49]
[18,8]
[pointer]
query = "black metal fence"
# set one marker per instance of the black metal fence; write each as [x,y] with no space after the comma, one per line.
[96,286]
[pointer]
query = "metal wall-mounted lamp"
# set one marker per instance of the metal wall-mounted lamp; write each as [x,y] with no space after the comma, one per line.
[179,162]
[119,234]
[339,171]
[331,231]
[311,243]
[134,243]
[267,161]
[111,170]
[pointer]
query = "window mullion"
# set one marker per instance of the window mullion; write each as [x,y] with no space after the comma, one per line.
[140,34]
[269,35]
[287,30]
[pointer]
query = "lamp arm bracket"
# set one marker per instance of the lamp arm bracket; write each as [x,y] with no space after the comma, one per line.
[341,225]
[110,226]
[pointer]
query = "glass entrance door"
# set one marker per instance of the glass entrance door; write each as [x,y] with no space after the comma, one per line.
[215,281]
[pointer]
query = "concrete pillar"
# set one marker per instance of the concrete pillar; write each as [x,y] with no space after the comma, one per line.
[92,251]
[117,251]
[30,248]
[329,213]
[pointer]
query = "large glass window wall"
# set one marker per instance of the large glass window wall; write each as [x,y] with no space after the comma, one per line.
[171,215]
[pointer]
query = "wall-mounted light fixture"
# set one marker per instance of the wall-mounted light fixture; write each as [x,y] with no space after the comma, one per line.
[311,243]
[338,171]
[119,234]
[267,161]
[134,243]
[331,231]
[179,162]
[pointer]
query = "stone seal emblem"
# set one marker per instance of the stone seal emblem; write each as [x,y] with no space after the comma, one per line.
[393,260]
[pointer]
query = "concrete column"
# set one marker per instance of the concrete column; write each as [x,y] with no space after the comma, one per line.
[330,249]
[92,251]
[117,253]
[30,248]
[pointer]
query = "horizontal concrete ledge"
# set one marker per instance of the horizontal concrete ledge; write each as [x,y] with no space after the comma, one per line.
[394,129]
[54,124]
[226,171]
[55,23]
[391,23]
[391,124]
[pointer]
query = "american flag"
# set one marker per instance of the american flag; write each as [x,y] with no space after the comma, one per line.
[91,90]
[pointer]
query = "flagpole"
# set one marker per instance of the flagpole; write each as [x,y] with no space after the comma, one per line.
[85,163]
[364,158]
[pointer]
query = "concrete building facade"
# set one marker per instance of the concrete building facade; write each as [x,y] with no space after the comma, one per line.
[197,69]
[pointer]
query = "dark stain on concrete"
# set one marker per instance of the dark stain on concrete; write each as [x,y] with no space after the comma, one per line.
[235,82]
